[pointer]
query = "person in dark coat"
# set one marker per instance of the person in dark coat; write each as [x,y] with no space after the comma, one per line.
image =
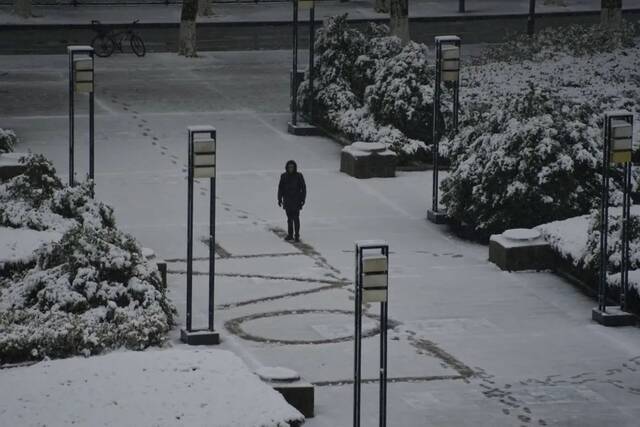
[292,194]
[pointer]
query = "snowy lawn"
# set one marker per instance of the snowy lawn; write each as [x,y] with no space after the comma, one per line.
[171,387]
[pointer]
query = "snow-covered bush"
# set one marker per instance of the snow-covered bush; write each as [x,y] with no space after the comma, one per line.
[337,46]
[531,160]
[402,92]
[38,200]
[572,40]
[369,88]
[576,243]
[8,140]
[91,291]
[591,259]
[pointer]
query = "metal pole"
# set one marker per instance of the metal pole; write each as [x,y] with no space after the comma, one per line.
[212,248]
[436,117]
[383,352]
[461,8]
[531,21]
[604,214]
[356,339]
[626,223]
[312,39]
[294,78]
[71,120]
[456,97]
[190,233]
[91,128]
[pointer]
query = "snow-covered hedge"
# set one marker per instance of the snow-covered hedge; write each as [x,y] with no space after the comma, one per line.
[370,88]
[91,291]
[572,40]
[8,140]
[529,149]
[576,241]
[532,160]
[38,200]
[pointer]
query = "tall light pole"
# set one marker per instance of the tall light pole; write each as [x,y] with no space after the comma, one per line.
[617,150]
[531,21]
[297,126]
[447,70]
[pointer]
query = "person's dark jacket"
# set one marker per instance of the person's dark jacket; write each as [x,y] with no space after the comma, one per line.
[292,190]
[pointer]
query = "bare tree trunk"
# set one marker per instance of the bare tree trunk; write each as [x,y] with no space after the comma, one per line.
[23,8]
[399,14]
[205,8]
[187,38]
[611,14]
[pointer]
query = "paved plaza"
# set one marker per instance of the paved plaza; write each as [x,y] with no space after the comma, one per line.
[470,346]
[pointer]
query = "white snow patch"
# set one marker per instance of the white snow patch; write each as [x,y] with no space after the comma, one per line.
[18,245]
[568,237]
[160,388]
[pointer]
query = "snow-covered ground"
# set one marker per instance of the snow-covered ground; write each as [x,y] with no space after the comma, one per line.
[473,346]
[169,387]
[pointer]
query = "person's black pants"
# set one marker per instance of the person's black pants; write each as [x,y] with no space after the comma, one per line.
[293,222]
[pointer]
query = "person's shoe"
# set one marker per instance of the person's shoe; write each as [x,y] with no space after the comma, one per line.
[297,239]
[288,238]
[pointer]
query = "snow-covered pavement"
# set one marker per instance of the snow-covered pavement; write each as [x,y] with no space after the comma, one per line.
[197,388]
[471,346]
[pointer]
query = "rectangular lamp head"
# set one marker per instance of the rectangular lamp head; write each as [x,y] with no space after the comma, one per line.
[82,63]
[621,141]
[204,172]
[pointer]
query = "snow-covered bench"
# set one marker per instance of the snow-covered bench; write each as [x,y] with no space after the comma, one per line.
[368,160]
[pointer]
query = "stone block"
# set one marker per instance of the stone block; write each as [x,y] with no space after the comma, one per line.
[202,337]
[297,392]
[613,316]
[520,249]
[368,160]
[437,217]
[302,128]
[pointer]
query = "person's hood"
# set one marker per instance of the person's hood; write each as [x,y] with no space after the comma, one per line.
[295,166]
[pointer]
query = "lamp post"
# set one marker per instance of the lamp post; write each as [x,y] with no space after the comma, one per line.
[81,80]
[297,126]
[448,71]
[531,20]
[371,285]
[617,150]
[202,164]
[461,6]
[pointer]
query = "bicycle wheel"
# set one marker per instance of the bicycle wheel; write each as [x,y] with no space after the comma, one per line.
[137,45]
[103,45]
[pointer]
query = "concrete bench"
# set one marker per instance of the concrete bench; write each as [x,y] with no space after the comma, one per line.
[368,160]
[297,392]
[520,249]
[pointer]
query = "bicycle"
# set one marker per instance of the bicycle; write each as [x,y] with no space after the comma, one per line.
[107,39]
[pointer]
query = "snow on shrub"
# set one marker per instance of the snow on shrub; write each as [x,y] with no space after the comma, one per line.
[91,291]
[8,140]
[573,40]
[532,160]
[591,258]
[402,92]
[38,200]
[577,242]
[350,97]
